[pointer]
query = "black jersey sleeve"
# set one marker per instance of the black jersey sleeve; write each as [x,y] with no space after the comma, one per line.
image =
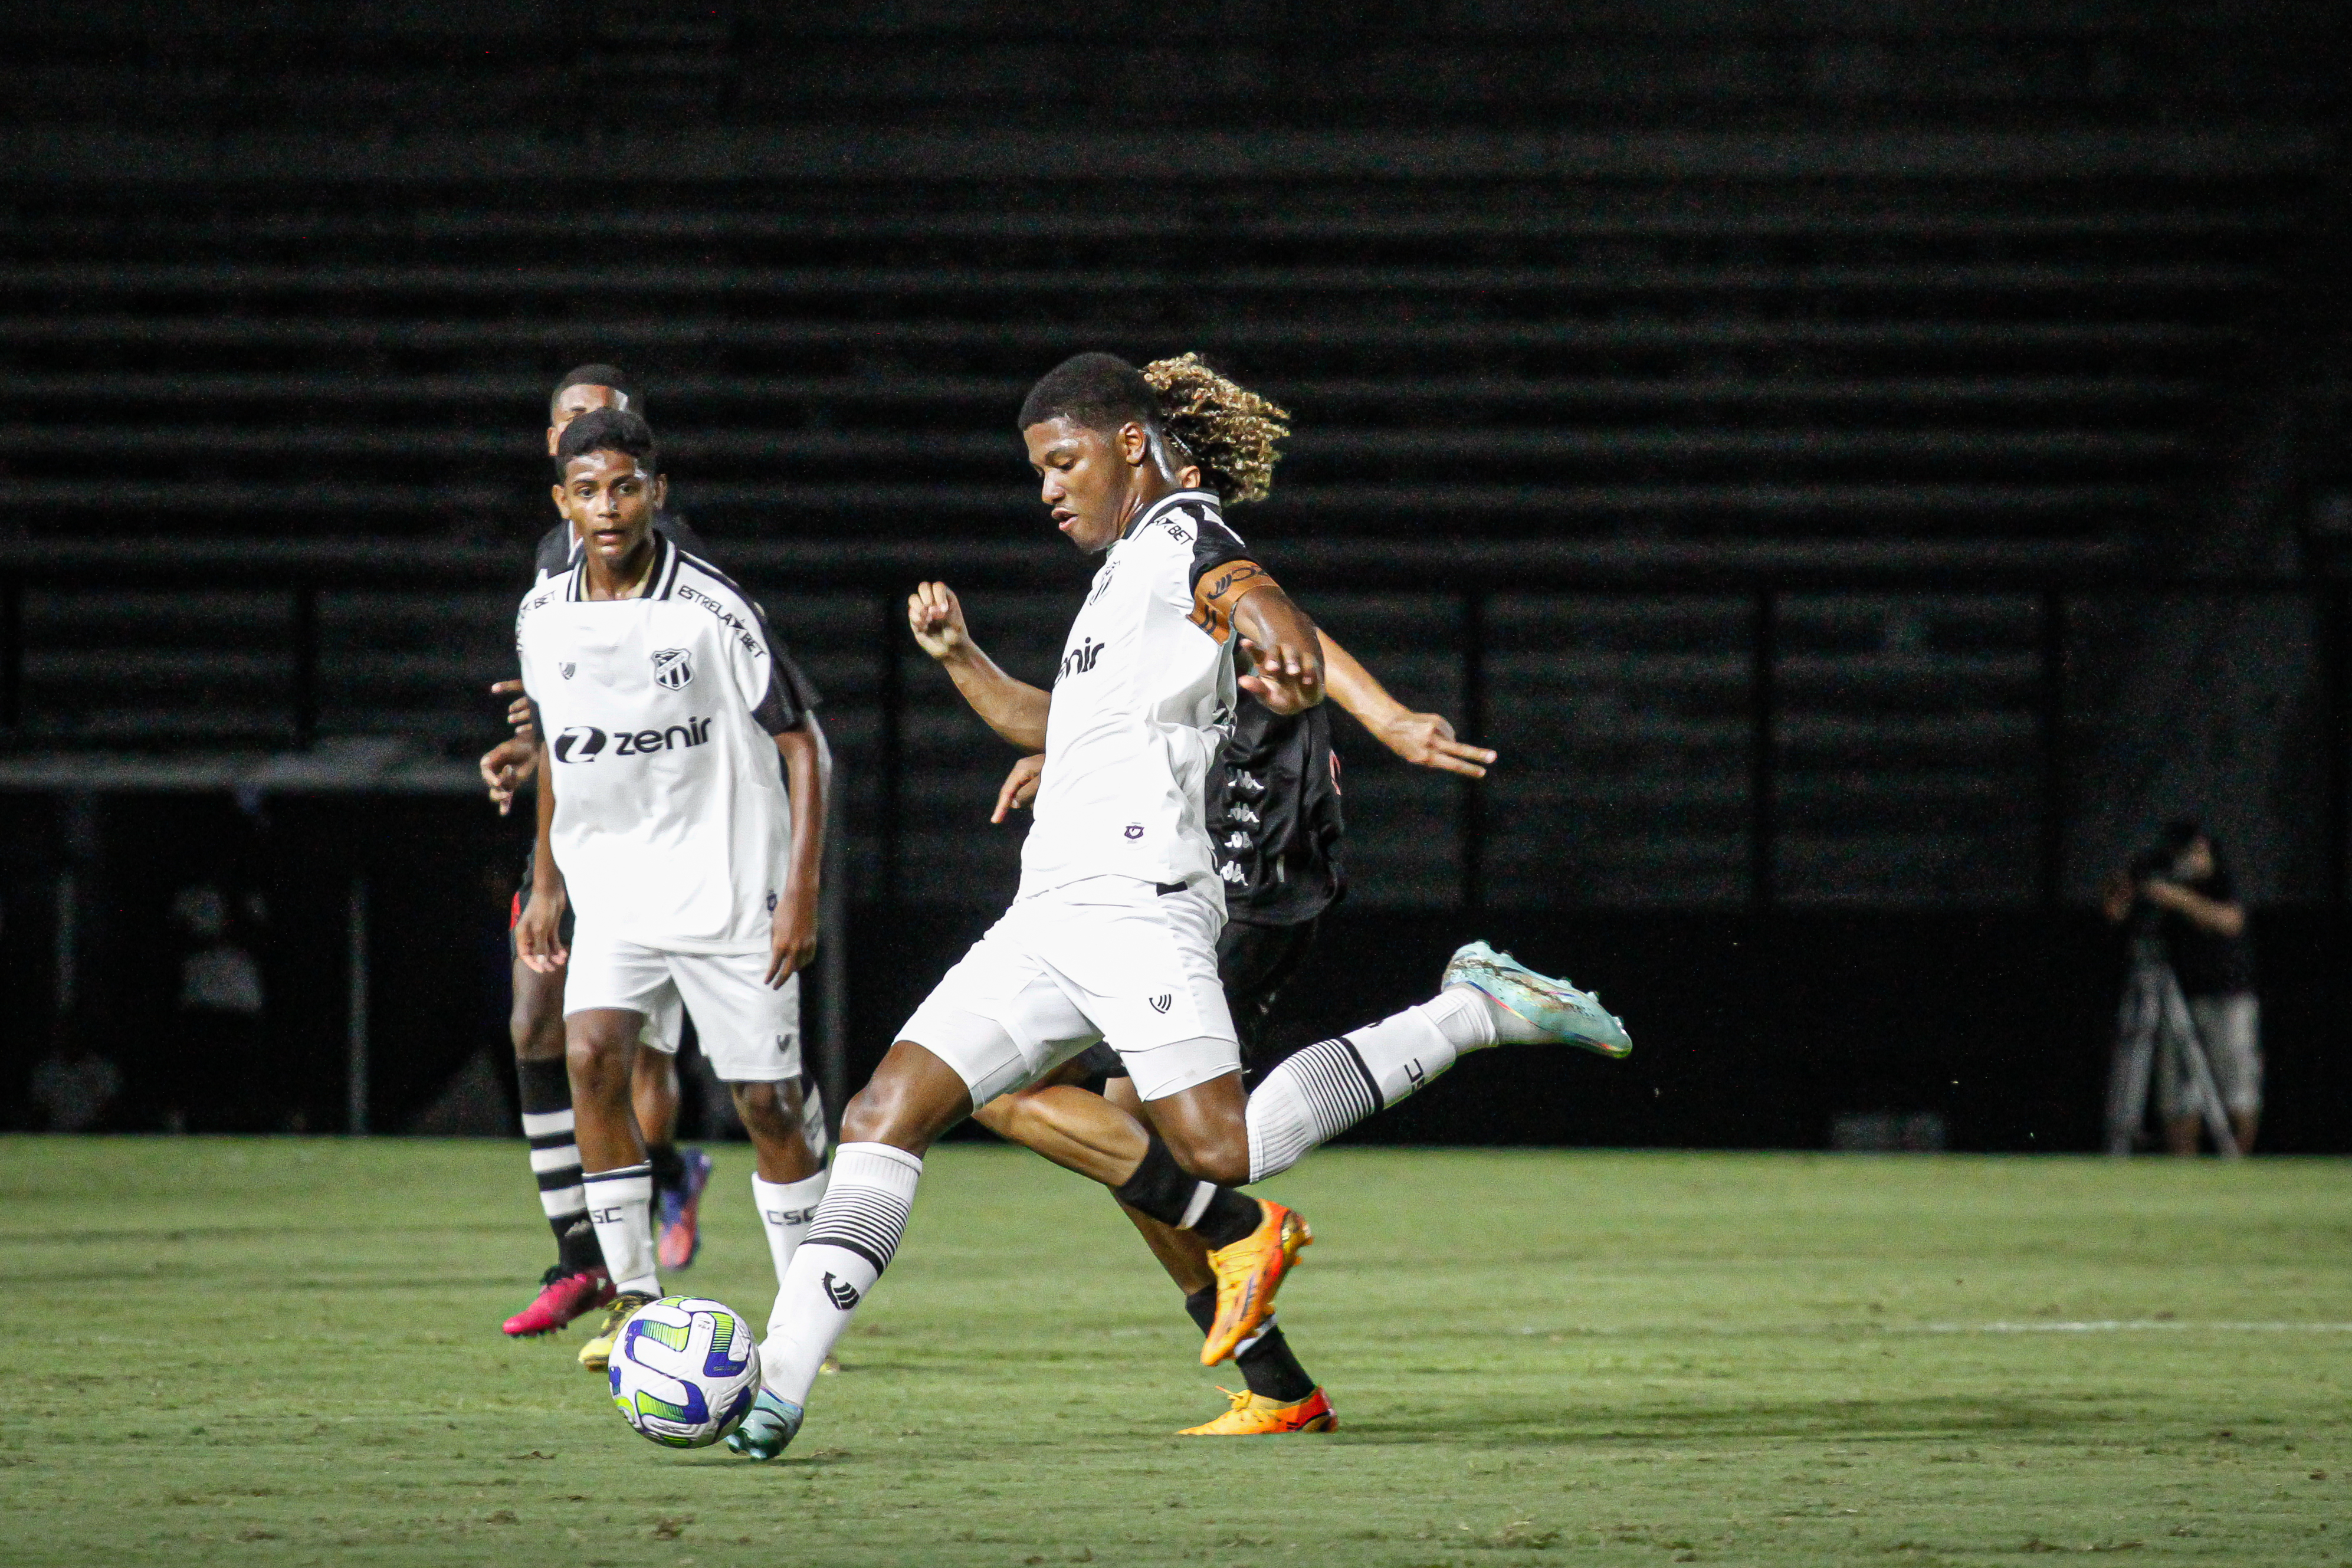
[688,540]
[553,557]
[1223,572]
[791,694]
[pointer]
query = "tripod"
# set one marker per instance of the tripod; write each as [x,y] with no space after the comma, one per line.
[2153,1009]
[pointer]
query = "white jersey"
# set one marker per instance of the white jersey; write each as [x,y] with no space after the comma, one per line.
[1141,706]
[671,821]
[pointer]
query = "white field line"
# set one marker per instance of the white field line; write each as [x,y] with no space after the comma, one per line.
[2134,1326]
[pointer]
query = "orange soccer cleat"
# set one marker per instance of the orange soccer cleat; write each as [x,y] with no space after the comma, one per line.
[1255,1415]
[1248,1274]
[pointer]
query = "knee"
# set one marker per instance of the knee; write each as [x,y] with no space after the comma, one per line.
[912,1098]
[535,1027]
[1221,1157]
[763,1107]
[597,1064]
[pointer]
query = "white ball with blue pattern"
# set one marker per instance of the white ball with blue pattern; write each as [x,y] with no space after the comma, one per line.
[685,1371]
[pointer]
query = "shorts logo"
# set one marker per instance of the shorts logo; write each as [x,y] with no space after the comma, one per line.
[844,1295]
[567,671]
[580,743]
[1161,1003]
[673,668]
[1135,830]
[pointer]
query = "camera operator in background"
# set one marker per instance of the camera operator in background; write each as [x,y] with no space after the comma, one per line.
[2181,911]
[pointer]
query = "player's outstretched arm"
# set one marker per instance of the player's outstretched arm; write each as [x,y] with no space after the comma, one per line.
[1284,647]
[539,935]
[808,780]
[1013,709]
[1020,785]
[1424,740]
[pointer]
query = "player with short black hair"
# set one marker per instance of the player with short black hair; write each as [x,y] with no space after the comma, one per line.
[576,1282]
[694,864]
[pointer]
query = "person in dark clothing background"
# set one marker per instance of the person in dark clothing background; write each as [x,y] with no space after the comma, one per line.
[2179,897]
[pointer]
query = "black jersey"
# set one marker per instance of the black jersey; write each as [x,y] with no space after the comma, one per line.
[1273,816]
[2206,963]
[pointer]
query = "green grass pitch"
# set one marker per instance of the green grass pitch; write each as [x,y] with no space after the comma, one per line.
[287,1352]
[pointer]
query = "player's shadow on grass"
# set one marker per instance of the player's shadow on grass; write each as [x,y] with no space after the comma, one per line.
[1501,1424]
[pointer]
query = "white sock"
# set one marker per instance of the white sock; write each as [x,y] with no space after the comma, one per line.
[849,1245]
[620,1206]
[1320,1092]
[785,1210]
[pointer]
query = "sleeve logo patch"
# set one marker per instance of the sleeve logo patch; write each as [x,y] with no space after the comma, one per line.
[673,668]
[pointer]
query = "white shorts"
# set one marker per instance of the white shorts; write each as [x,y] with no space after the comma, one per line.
[2231,1027]
[1109,958]
[750,1033]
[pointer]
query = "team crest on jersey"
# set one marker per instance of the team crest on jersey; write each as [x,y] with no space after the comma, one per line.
[673,668]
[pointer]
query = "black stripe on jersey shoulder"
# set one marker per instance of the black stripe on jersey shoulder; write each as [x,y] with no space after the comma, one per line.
[664,572]
[1203,503]
[710,569]
[791,694]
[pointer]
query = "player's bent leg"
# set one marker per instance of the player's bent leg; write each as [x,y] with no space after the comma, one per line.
[1489,998]
[1253,1242]
[1278,1393]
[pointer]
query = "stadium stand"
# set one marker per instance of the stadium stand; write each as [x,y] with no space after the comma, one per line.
[1783,363]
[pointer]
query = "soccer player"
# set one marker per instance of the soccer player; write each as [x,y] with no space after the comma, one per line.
[1273,808]
[576,1282]
[1112,934]
[692,861]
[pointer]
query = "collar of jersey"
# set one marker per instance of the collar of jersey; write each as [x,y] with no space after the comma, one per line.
[658,582]
[1165,503]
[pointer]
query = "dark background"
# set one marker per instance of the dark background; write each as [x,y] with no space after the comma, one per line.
[1868,465]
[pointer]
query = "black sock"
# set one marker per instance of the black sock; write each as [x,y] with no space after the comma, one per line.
[669,1166]
[578,1248]
[545,1090]
[1267,1366]
[1159,1187]
[1169,1194]
[1229,1218]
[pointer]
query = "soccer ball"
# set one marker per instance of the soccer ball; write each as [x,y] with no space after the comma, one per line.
[685,1371]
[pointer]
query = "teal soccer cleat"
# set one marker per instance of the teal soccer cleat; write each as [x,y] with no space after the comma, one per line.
[1552,1009]
[773,1423]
